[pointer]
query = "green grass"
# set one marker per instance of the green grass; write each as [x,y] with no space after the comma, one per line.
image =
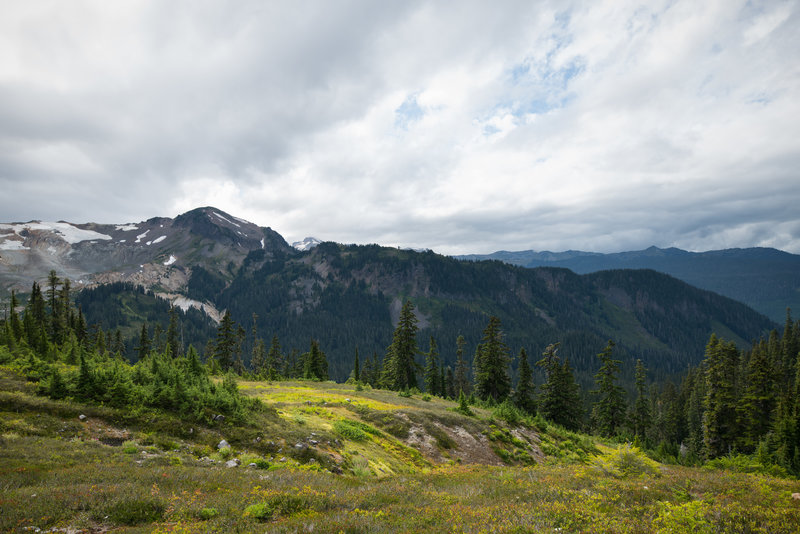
[54,474]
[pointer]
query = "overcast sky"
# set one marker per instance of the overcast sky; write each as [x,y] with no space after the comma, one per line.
[464,127]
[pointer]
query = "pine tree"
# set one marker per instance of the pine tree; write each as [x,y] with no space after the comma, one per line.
[13,317]
[432,369]
[173,336]
[524,393]
[400,367]
[608,411]
[449,383]
[491,364]
[356,368]
[758,403]
[315,363]
[225,348]
[719,415]
[462,382]
[274,359]
[641,416]
[559,397]
[144,343]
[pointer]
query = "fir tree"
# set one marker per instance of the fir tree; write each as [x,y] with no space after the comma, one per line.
[758,403]
[559,397]
[400,367]
[144,343]
[274,359]
[719,415]
[356,368]
[315,363]
[524,393]
[432,369]
[173,336]
[608,411]
[225,348]
[491,364]
[462,382]
[641,416]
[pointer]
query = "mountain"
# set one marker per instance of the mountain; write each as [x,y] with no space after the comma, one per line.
[349,297]
[766,279]
[306,244]
[158,254]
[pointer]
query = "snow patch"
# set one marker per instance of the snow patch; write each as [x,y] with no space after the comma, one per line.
[172,259]
[127,227]
[158,239]
[306,244]
[263,246]
[122,240]
[140,236]
[13,244]
[65,231]
[226,220]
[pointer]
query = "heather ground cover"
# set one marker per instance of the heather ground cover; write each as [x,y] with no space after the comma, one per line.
[153,475]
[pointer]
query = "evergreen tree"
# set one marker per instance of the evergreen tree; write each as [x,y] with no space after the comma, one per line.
[719,415]
[400,367]
[315,363]
[225,348]
[491,364]
[274,359]
[356,368]
[462,382]
[524,393]
[432,369]
[608,412]
[758,403]
[13,317]
[173,336]
[641,416]
[559,397]
[449,383]
[144,343]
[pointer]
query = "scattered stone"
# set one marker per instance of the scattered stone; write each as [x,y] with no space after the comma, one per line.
[233,463]
[313,442]
[207,460]
[252,464]
[301,446]
[336,470]
[218,417]
[283,459]
[258,439]
[347,400]
[223,445]
[796,496]
[191,431]
[82,417]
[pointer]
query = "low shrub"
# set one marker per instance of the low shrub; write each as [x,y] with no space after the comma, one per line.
[136,511]
[208,513]
[625,461]
[281,505]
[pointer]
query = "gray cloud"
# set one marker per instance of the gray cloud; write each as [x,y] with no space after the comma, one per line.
[545,125]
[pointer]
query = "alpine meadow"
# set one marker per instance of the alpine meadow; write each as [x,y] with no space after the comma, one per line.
[366,388]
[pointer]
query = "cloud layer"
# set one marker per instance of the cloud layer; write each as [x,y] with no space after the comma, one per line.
[599,126]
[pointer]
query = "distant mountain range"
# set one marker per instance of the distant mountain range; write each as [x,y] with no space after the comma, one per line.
[348,297]
[766,279]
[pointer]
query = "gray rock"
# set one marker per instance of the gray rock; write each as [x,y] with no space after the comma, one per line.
[252,464]
[283,459]
[82,417]
[223,445]
[301,446]
[218,417]
[313,442]
[233,463]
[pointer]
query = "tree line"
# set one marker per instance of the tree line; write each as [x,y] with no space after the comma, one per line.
[735,401]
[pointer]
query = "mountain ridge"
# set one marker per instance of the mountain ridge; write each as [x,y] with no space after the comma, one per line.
[766,279]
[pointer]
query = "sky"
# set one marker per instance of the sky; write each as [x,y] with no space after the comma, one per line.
[463,127]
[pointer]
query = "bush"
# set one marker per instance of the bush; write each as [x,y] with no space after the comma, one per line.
[208,513]
[281,505]
[136,511]
[625,461]
[349,430]
[129,447]
[508,413]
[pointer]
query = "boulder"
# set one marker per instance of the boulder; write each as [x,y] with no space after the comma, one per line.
[223,445]
[82,417]
[233,463]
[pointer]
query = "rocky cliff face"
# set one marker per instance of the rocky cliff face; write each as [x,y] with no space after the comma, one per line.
[158,253]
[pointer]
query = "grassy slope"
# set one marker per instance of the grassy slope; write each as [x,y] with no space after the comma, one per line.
[408,472]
